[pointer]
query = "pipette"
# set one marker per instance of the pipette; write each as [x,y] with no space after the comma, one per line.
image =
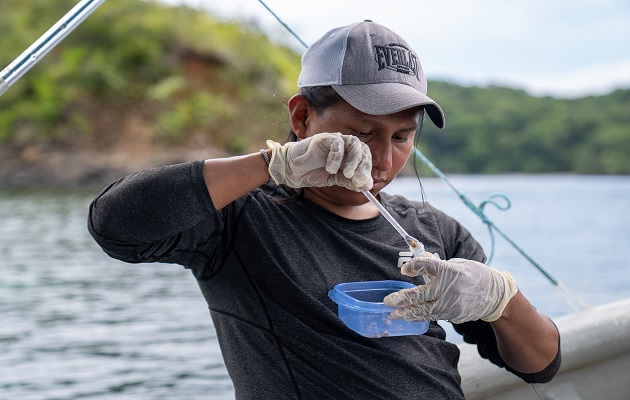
[415,245]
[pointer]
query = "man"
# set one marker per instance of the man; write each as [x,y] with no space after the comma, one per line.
[268,235]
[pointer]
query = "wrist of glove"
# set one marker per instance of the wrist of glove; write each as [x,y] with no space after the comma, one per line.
[325,159]
[458,290]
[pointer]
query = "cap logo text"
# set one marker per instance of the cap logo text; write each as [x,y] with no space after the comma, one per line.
[396,58]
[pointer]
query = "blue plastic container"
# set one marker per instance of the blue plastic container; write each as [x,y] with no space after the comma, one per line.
[361,308]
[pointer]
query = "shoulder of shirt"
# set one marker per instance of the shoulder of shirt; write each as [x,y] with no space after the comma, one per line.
[401,204]
[271,189]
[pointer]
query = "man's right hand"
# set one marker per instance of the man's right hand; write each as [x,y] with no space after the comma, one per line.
[325,159]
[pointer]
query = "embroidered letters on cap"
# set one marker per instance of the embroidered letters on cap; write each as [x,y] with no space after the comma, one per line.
[396,58]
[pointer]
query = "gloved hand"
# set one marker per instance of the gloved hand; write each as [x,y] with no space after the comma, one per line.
[458,290]
[324,159]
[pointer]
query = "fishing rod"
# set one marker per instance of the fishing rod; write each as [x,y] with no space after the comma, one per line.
[84,8]
[570,298]
[46,42]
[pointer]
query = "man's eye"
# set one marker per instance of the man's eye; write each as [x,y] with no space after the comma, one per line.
[362,134]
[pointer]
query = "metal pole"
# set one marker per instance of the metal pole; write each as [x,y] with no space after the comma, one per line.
[46,42]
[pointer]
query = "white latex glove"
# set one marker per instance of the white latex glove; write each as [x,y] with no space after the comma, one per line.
[459,290]
[325,159]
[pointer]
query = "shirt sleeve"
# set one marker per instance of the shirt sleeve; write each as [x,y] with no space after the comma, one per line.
[163,214]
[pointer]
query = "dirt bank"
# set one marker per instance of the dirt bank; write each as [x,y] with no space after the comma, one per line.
[64,167]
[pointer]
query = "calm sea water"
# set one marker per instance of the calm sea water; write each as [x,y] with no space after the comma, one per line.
[78,325]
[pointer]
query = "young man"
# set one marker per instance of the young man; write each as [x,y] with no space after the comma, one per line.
[267,251]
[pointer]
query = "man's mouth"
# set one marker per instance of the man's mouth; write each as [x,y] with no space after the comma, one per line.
[379,183]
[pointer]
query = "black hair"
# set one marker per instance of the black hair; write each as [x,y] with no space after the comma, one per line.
[320,98]
[414,160]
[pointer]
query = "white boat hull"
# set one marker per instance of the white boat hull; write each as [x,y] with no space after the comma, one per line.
[595,362]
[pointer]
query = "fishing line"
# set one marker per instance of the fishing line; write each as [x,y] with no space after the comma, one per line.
[295,35]
[84,8]
[570,298]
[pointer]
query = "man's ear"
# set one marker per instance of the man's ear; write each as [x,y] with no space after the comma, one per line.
[299,110]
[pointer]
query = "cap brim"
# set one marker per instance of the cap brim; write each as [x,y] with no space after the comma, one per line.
[389,98]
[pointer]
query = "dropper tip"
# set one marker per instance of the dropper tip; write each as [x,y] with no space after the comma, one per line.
[416,247]
[413,243]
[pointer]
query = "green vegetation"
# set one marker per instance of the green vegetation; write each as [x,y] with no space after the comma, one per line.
[496,129]
[174,73]
[179,76]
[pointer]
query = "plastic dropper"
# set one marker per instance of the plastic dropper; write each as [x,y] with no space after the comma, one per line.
[415,245]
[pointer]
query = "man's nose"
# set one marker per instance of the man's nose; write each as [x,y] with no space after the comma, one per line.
[382,156]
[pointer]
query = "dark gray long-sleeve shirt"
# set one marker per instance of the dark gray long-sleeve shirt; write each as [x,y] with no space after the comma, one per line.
[265,268]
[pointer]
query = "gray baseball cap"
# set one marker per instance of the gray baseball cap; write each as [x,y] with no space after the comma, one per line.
[372,68]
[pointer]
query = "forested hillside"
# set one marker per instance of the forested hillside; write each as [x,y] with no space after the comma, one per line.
[498,129]
[139,78]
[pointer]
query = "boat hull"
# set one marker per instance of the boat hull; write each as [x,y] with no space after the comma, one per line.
[595,361]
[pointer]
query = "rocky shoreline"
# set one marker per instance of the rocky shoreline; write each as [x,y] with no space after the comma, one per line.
[49,167]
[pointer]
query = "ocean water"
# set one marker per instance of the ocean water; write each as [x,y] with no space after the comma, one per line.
[79,325]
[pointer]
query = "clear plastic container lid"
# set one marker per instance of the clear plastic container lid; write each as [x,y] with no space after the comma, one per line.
[362,309]
[366,296]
